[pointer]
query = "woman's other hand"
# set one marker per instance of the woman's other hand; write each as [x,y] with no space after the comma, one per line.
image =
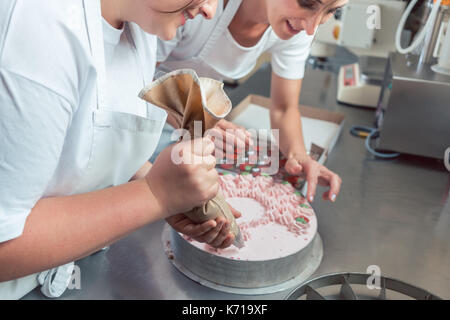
[315,174]
[229,137]
[216,232]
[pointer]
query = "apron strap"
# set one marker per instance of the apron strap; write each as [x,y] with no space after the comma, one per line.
[135,35]
[93,13]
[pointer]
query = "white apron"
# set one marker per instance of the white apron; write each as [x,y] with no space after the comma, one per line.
[121,144]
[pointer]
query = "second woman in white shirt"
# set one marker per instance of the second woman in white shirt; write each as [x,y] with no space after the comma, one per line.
[229,45]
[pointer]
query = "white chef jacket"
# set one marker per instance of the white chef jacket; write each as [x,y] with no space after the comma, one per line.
[208,47]
[48,82]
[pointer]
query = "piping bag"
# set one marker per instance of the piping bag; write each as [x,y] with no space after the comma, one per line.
[188,98]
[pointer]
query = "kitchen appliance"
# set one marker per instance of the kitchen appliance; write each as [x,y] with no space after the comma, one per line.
[413,112]
[367,29]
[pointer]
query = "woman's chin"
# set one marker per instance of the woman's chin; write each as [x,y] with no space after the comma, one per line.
[167,35]
[282,34]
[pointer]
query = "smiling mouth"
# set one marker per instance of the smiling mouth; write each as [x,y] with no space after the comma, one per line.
[291,27]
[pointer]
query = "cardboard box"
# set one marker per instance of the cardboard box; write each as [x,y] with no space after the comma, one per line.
[321,128]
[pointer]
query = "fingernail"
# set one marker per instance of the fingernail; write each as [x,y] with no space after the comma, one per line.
[333,197]
[311,198]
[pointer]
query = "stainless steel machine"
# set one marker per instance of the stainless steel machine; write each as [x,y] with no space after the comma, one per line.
[408,87]
[413,113]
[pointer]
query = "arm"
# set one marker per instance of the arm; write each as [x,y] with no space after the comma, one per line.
[39,233]
[285,116]
[142,172]
[63,229]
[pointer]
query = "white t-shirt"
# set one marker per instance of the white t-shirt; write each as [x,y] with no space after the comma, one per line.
[228,59]
[124,78]
[47,97]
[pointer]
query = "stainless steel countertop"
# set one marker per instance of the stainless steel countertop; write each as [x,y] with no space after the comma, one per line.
[394,214]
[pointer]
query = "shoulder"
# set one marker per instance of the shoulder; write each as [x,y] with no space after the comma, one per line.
[46,42]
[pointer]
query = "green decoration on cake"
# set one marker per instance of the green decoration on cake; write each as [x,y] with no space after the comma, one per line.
[302,220]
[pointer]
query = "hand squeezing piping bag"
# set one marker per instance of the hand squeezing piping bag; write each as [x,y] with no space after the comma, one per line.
[188,98]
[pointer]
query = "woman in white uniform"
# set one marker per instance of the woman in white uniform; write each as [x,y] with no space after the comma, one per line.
[229,45]
[73,133]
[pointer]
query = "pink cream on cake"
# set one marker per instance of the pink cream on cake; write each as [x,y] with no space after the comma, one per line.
[276,220]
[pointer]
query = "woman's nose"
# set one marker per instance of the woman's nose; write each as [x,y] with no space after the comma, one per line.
[207,10]
[310,24]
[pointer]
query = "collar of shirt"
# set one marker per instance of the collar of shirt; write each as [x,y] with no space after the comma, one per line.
[111,34]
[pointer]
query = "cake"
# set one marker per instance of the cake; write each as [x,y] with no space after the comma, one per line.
[276,219]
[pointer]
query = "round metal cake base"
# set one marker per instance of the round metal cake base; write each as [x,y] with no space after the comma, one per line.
[311,262]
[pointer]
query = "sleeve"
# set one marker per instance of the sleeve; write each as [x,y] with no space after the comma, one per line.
[289,57]
[33,126]
[165,48]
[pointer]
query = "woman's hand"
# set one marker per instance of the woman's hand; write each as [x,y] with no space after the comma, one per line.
[216,233]
[183,176]
[228,136]
[315,173]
